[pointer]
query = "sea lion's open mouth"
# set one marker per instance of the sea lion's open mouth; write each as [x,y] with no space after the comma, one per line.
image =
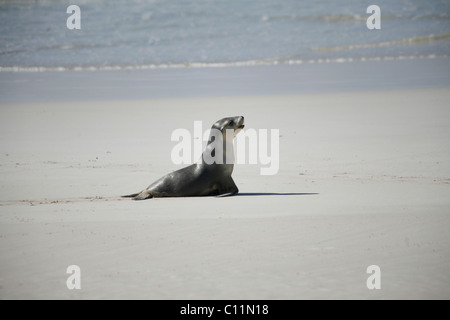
[241,127]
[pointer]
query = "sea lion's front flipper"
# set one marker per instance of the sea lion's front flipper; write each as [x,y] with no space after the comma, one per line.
[226,194]
[228,188]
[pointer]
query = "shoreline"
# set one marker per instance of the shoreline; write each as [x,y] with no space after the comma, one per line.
[224,82]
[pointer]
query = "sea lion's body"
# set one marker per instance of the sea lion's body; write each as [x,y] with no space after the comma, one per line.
[202,178]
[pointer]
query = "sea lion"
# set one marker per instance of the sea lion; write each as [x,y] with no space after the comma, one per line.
[202,178]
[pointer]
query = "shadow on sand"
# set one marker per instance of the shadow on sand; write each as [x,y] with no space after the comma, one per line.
[254,194]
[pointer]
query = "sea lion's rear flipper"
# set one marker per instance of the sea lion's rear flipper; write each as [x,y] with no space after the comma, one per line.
[140,195]
[143,195]
[130,195]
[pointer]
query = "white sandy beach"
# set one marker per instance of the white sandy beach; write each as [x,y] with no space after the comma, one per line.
[91,93]
[364,180]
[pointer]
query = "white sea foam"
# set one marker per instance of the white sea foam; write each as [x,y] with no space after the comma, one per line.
[250,63]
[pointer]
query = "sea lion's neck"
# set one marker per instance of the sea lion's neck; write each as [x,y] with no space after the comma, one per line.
[220,151]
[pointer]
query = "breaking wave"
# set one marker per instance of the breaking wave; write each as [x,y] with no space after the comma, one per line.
[401,42]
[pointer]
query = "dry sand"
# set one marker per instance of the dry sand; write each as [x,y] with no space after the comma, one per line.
[364,180]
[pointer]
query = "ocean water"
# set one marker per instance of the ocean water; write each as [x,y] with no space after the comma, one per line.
[140,34]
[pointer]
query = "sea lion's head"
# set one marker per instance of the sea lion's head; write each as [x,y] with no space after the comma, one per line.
[219,149]
[230,123]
